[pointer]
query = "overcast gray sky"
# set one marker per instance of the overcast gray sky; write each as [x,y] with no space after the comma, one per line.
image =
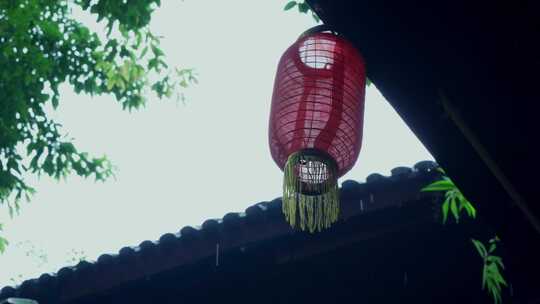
[181,164]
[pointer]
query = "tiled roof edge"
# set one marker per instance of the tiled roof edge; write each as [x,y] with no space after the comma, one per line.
[185,246]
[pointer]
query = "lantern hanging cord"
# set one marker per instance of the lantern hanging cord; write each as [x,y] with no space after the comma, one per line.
[310,191]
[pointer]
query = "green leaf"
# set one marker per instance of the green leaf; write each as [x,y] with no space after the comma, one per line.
[46,46]
[110,84]
[445,207]
[144,51]
[495,239]
[153,64]
[67,148]
[289,5]
[454,209]
[157,51]
[54,101]
[50,29]
[484,277]
[496,260]
[120,83]
[460,204]
[163,63]
[303,7]
[48,165]
[451,194]
[499,278]
[124,70]
[470,209]
[492,247]
[10,211]
[480,248]
[3,244]
[138,40]
[441,185]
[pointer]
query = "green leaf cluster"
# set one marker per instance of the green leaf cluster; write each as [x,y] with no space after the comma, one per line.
[454,202]
[303,8]
[492,278]
[42,46]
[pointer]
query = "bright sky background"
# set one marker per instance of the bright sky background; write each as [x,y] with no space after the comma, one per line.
[181,164]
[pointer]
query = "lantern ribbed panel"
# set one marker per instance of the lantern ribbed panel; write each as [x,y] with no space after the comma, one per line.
[318,100]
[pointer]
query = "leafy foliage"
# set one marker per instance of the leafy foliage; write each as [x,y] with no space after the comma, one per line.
[39,259]
[491,275]
[30,250]
[3,241]
[455,201]
[303,8]
[41,47]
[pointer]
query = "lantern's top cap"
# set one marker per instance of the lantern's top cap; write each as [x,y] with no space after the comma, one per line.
[321,28]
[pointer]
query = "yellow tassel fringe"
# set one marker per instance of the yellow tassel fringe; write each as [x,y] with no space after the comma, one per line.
[311,207]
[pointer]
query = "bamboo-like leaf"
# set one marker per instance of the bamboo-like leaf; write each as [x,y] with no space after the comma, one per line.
[455,202]
[454,209]
[3,244]
[156,50]
[303,7]
[495,239]
[471,211]
[500,262]
[446,178]
[499,278]
[451,193]
[480,248]
[289,5]
[484,277]
[441,185]
[461,206]
[143,53]
[495,295]
[491,276]
[445,207]
[502,281]
[493,258]
[491,267]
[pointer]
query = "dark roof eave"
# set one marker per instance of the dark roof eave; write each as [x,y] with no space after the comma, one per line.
[260,222]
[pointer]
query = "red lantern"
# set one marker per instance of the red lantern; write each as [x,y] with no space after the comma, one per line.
[316,123]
